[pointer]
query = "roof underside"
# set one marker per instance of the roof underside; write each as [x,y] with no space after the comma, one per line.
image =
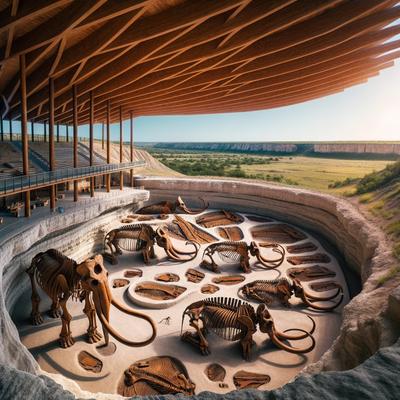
[158,57]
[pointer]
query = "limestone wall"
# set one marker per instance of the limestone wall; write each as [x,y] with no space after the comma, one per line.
[370,321]
[366,322]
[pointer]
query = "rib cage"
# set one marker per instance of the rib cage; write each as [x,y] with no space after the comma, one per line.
[48,266]
[228,251]
[268,290]
[220,315]
[129,237]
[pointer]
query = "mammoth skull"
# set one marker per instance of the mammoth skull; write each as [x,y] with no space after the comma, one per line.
[94,279]
[267,325]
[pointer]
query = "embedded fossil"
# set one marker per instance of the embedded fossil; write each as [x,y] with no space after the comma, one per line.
[117,283]
[89,362]
[215,372]
[169,207]
[194,276]
[301,248]
[219,218]
[143,218]
[238,252]
[229,280]
[126,220]
[156,375]
[312,258]
[132,273]
[184,230]
[142,237]
[159,291]
[60,278]
[167,277]
[266,291]
[324,286]
[281,233]
[246,379]
[310,273]
[234,320]
[258,218]
[232,233]
[209,289]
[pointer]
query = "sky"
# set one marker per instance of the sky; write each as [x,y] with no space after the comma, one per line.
[370,111]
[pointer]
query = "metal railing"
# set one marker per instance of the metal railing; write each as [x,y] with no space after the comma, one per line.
[22,183]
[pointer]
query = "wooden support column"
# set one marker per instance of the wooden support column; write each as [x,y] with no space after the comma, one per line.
[108,177]
[75,134]
[58,133]
[1,128]
[102,135]
[67,133]
[32,131]
[11,130]
[24,130]
[121,174]
[51,142]
[91,123]
[45,131]
[131,149]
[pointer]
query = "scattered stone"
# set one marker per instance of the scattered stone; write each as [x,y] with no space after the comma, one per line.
[223,385]
[89,362]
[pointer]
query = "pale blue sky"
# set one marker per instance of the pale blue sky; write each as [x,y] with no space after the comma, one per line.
[370,111]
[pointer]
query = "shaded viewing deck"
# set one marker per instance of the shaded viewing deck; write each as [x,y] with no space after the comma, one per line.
[24,183]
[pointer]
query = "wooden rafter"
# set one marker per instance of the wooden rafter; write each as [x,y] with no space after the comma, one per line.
[183,56]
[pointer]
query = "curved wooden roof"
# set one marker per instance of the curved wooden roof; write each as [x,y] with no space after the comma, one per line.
[156,57]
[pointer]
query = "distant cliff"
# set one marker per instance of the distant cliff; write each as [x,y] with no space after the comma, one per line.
[290,148]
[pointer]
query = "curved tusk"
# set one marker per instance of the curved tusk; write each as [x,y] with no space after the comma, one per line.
[317,298]
[174,253]
[322,308]
[134,313]
[274,263]
[290,349]
[283,335]
[187,211]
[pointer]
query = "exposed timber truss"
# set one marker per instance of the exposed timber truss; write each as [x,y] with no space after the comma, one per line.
[189,56]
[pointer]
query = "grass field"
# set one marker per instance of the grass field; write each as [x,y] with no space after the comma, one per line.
[317,173]
[309,172]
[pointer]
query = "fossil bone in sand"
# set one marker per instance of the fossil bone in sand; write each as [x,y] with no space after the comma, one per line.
[154,376]
[232,233]
[159,291]
[219,218]
[310,273]
[89,362]
[246,379]
[281,233]
[308,259]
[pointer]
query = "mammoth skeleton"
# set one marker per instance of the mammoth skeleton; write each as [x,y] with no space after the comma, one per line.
[232,252]
[142,237]
[61,278]
[169,207]
[234,320]
[266,291]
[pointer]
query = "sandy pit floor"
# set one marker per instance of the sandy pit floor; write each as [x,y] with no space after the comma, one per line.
[281,366]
